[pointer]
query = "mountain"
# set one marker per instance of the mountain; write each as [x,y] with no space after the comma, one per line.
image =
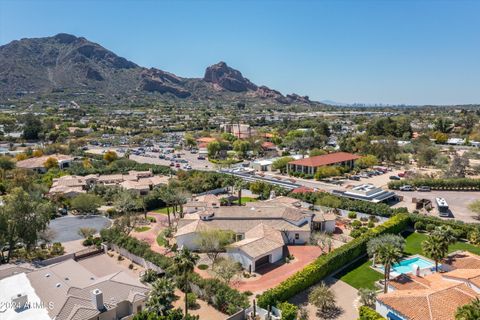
[65,63]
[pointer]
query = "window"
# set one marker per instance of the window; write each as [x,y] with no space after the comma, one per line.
[139,309]
[239,237]
[297,236]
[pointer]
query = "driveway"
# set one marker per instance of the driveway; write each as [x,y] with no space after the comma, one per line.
[271,276]
[345,294]
[150,236]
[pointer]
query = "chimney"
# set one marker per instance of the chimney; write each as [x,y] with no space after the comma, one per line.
[97,299]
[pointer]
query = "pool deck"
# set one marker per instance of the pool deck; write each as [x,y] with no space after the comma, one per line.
[393,274]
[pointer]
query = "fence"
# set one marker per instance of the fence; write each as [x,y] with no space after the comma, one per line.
[136,259]
[58,259]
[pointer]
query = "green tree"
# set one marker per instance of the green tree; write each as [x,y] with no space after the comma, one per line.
[226,269]
[469,311]
[388,254]
[240,184]
[214,241]
[32,127]
[317,152]
[322,297]
[86,203]
[183,264]
[110,156]
[22,218]
[436,248]
[241,147]
[327,171]
[161,297]
[375,244]
[50,163]
[281,164]
[367,161]
[289,311]
[368,297]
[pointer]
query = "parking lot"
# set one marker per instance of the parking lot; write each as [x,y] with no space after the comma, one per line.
[458,202]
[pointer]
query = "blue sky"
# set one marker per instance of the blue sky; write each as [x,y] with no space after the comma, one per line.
[412,52]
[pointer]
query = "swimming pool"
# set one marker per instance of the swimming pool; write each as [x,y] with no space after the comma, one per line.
[405,266]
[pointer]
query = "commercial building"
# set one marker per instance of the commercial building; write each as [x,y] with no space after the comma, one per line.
[367,192]
[310,165]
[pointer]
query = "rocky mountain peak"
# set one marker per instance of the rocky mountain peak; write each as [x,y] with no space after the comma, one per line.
[228,78]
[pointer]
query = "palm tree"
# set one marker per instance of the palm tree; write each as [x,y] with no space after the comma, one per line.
[469,311]
[367,297]
[376,243]
[184,262]
[167,196]
[239,185]
[322,297]
[436,248]
[161,297]
[388,254]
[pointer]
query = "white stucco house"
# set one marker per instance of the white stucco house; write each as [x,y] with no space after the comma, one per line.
[262,229]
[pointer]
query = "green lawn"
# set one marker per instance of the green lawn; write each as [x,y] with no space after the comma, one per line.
[360,275]
[244,200]
[162,210]
[162,242]
[142,229]
[414,241]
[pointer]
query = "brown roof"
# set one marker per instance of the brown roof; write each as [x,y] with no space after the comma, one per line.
[206,139]
[435,296]
[39,162]
[260,240]
[326,159]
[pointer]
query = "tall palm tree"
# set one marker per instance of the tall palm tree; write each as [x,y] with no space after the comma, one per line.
[388,254]
[239,185]
[436,248]
[184,262]
[167,196]
[374,244]
[469,311]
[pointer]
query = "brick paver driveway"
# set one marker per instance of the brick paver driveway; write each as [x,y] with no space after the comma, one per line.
[272,275]
[150,236]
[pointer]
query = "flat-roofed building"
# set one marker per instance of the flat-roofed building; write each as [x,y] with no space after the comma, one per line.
[366,192]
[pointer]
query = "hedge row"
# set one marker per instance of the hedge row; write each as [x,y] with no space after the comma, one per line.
[219,295]
[329,263]
[378,209]
[460,184]
[461,229]
[367,313]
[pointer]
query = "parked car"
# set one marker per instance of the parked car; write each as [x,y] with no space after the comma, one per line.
[401,174]
[394,178]
[424,188]
[406,188]
[177,165]
[356,178]
[201,158]
[172,164]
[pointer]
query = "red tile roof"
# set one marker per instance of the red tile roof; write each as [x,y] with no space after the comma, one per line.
[326,159]
[268,145]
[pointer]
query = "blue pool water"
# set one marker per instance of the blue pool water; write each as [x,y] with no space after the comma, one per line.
[405,266]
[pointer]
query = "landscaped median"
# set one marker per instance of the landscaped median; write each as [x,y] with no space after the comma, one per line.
[329,263]
[456,184]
